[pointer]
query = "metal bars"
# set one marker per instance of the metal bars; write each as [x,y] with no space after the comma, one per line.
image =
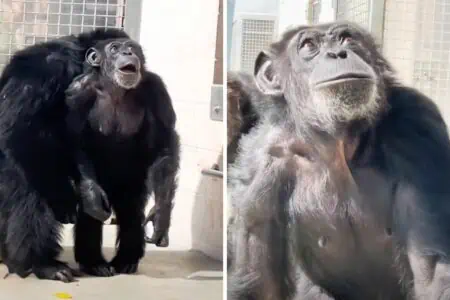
[256,35]
[26,22]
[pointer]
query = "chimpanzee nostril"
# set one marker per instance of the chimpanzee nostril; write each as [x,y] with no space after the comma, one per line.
[339,54]
[331,55]
[342,54]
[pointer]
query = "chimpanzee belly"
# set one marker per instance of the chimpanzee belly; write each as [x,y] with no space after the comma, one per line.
[117,148]
[118,163]
[353,254]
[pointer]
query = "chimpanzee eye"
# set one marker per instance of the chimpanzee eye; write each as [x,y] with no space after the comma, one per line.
[345,38]
[114,49]
[308,44]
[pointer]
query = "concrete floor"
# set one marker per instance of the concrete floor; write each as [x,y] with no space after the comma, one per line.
[162,275]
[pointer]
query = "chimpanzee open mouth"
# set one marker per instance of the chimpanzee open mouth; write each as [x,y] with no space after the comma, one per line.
[129,68]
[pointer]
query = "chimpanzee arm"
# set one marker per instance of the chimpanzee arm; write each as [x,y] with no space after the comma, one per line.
[262,266]
[164,148]
[162,179]
[94,199]
[80,98]
[416,147]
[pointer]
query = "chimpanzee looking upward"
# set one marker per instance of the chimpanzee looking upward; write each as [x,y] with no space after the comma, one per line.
[369,223]
[123,119]
[37,164]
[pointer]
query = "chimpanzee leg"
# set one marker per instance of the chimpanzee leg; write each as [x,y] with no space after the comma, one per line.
[130,216]
[88,246]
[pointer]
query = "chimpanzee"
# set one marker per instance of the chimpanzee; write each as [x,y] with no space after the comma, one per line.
[340,190]
[37,165]
[123,121]
[39,161]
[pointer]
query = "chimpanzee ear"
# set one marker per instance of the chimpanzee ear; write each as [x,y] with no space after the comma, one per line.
[266,79]
[93,57]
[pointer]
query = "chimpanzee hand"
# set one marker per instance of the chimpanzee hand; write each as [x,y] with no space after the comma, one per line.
[94,200]
[160,236]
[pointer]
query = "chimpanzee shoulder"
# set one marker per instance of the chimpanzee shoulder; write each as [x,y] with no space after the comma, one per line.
[414,140]
[153,92]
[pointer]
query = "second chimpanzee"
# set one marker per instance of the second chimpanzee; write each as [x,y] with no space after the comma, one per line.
[340,190]
[124,123]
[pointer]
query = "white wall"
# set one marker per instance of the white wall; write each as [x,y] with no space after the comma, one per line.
[291,13]
[179,38]
[327,13]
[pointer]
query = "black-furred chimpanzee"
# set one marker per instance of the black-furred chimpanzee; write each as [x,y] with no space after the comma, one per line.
[37,166]
[122,118]
[37,156]
[341,189]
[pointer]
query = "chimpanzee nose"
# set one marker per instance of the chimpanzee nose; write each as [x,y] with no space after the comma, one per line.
[126,51]
[337,54]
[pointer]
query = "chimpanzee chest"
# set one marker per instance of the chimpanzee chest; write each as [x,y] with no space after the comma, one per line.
[115,141]
[353,253]
[120,117]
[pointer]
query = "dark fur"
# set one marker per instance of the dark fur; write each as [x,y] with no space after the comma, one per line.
[241,114]
[388,238]
[36,158]
[129,137]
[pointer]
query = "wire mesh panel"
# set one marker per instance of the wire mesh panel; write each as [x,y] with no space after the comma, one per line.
[354,10]
[432,55]
[26,22]
[417,41]
[256,35]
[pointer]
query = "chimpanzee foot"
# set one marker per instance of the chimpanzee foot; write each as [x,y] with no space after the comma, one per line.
[160,239]
[123,267]
[99,270]
[56,271]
